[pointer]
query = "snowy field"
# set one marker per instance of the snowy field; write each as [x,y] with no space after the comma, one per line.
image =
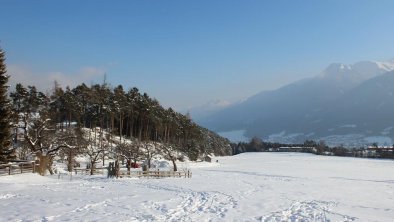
[246,187]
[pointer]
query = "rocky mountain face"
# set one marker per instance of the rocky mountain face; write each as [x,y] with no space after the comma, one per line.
[345,104]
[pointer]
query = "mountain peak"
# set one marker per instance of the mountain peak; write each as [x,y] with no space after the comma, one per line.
[387,66]
[357,72]
[336,69]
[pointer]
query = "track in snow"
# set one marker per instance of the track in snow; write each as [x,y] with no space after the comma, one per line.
[195,205]
[307,211]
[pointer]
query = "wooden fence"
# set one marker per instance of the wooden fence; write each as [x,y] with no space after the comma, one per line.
[96,171]
[11,169]
[156,174]
[30,167]
[138,174]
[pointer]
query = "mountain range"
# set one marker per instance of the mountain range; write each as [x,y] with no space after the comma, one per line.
[350,105]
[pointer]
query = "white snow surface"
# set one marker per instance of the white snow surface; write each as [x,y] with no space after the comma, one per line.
[246,187]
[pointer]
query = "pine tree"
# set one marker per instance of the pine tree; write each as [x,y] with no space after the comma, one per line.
[5,112]
[119,105]
[81,96]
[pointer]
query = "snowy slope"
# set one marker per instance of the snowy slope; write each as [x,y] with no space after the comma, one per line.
[247,187]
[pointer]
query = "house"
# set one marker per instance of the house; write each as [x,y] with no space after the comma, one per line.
[380,148]
[379,151]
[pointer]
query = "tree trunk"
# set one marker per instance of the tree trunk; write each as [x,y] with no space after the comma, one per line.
[140,133]
[175,167]
[92,165]
[103,158]
[120,127]
[147,130]
[69,119]
[43,166]
[128,166]
[70,161]
[126,133]
[132,128]
[49,165]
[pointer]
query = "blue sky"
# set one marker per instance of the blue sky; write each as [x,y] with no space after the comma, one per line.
[187,53]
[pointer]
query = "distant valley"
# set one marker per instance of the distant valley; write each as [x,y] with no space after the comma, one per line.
[351,105]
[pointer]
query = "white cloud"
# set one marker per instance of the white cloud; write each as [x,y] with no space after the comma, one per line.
[45,81]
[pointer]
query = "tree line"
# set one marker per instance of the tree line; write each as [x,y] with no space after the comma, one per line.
[310,146]
[256,144]
[55,122]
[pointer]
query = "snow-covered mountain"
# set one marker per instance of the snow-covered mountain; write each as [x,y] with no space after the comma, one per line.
[322,107]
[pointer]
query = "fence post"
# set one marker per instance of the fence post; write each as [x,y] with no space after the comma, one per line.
[9,169]
[34,167]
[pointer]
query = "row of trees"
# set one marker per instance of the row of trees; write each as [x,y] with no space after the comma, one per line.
[256,144]
[62,122]
[310,146]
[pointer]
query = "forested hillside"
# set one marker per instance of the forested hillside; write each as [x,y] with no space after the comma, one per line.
[46,124]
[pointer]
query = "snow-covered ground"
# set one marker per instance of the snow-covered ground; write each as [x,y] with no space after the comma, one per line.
[246,187]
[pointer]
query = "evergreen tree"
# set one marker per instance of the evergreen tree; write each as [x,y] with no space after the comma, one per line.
[132,97]
[119,105]
[81,96]
[5,112]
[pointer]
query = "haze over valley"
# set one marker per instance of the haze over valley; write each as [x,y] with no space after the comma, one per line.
[344,104]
